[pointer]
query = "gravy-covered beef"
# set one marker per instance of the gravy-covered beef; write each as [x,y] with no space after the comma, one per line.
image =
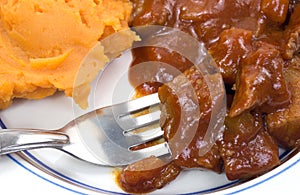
[246,148]
[147,175]
[233,45]
[292,31]
[284,124]
[255,44]
[260,82]
[186,111]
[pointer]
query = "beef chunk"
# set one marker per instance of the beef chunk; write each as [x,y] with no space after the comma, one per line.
[292,33]
[284,124]
[233,45]
[150,12]
[209,18]
[186,111]
[260,82]
[246,148]
[147,175]
[275,10]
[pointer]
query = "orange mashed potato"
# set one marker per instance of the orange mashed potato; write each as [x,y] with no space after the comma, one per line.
[43,42]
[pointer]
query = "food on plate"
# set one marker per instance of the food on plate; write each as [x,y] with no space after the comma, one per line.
[181,126]
[246,148]
[147,175]
[43,43]
[284,124]
[256,46]
[260,82]
[186,113]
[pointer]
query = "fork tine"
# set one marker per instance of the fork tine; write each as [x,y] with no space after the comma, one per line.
[136,104]
[144,137]
[117,132]
[156,150]
[129,123]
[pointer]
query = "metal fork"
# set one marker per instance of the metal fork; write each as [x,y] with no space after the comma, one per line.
[104,136]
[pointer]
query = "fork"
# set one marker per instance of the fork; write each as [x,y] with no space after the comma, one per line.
[104,136]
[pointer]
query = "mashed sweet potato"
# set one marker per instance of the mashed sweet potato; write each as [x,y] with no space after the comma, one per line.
[42,43]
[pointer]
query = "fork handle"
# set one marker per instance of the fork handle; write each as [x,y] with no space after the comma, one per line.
[15,140]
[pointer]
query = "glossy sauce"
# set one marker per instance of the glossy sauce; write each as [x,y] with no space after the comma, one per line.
[254,43]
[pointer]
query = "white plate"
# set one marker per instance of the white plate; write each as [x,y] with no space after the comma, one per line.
[82,177]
